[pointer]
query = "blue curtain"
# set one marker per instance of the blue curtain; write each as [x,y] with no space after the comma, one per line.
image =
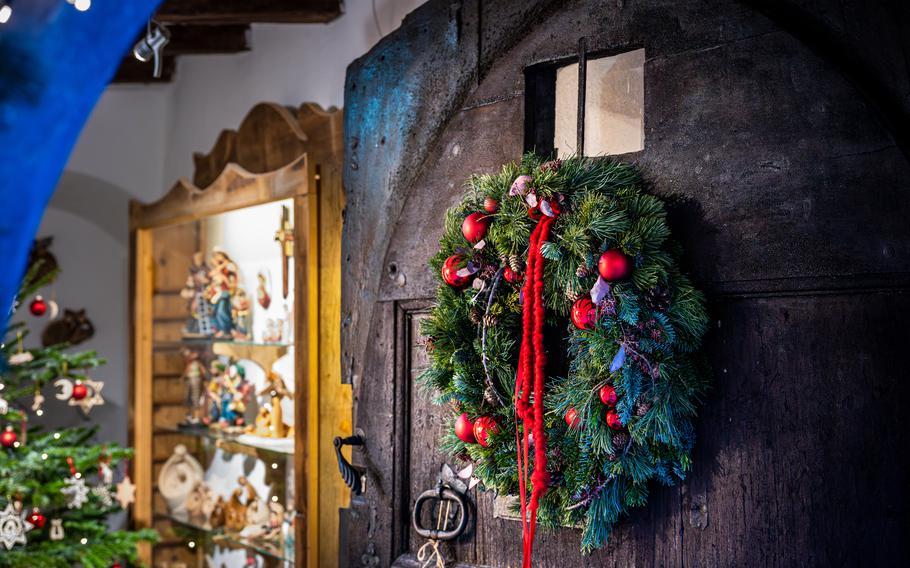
[54,63]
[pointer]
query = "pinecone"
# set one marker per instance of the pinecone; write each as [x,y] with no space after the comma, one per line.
[582,270]
[620,440]
[643,408]
[551,166]
[516,263]
[658,298]
[475,315]
[489,320]
[573,295]
[489,396]
[488,272]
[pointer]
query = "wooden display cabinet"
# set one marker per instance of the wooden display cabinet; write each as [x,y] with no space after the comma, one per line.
[277,158]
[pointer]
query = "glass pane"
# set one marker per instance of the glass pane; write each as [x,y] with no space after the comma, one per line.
[614,105]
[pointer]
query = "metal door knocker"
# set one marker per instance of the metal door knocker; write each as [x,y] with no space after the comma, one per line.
[452,514]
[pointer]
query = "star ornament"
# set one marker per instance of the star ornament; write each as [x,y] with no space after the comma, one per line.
[92,396]
[76,492]
[126,492]
[13,527]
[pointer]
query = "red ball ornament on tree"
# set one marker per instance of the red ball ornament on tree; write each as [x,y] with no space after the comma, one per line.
[608,395]
[80,391]
[490,205]
[474,228]
[36,518]
[8,438]
[464,429]
[613,420]
[450,270]
[572,419]
[584,314]
[512,276]
[614,265]
[38,307]
[484,426]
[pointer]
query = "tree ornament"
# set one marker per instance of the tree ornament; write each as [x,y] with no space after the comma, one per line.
[490,205]
[515,263]
[476,315]
[464,429]
[658,298]
[572,419]
[38,307]
[643,408]
[614,265]
[4,406]
[511,276]
[9,437]
[613,420]
[13,526]
[484,426]
[582,271]
[608,395]
[450,272]
[104,494]
[573,295]
[37,518]
[126,492]
[56,532]
[80,391]
[584,314]
[74,488]
[474,227]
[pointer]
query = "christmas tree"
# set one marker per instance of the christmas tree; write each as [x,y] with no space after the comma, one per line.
[57,487]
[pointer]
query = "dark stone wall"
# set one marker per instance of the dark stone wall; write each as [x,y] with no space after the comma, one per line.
[785,151]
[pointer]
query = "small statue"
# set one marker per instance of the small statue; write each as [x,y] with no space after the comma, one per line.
[194,374]
[276,520]
[272,332]
[200,504]
[217,518]
[199,323]
[232,391]
[223,281]
[178,477]
[242,316]
[235,512]
[262,294]
[217,370]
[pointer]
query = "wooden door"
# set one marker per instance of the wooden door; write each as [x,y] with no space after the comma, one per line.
[792,199]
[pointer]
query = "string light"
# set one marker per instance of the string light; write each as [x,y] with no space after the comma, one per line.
[6,11]
[82,5]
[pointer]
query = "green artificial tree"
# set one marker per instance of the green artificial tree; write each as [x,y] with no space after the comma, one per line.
[56,486]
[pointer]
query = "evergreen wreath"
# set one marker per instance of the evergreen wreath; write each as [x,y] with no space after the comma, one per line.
[618,330]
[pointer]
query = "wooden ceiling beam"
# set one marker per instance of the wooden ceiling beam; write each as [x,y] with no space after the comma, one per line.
[134,71]
[201,40]
[248,11]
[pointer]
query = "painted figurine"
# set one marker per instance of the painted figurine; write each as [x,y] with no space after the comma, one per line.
[242,315]
[222,287]
[194,374]
[199,323]
[265,300]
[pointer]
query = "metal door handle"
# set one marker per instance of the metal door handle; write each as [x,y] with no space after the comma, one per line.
[348,472]
[442,493]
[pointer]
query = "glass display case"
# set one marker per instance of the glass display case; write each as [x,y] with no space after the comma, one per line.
[229,327]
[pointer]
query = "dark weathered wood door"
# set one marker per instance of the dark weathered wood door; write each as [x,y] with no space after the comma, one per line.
[793,182]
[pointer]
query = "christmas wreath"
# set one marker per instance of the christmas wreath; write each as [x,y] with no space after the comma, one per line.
[565,338]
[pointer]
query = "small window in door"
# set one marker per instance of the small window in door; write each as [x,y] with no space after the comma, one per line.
[612,117]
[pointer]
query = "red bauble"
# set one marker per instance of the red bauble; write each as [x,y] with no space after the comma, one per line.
[608,395]
[474,228]
[38,307]
[572,419]
[80,391]
[490,205]
[450,270]
[464,429]
[482,427]
[614,265]
[36,518]
[613,420]
[584,314]
[512,276]
[8,438]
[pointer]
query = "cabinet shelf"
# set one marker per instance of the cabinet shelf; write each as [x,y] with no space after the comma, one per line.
[245,444]
[224,538]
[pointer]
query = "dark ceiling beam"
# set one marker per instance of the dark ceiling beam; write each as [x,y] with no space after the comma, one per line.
[201,40]
[248,11]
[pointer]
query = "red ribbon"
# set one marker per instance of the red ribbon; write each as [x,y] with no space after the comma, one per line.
[532,362]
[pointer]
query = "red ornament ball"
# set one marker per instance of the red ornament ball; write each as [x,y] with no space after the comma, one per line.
[38,307]
[484,426]
[584,314]
[474,228]
[464,429]
[512,276]
[8,438]
[613,420]
[36,518]
[80,391]
[614,265]
[608,395]
[572,419]
[450,270]
[490,205]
